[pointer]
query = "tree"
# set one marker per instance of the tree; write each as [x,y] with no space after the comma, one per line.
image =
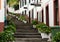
[12,2]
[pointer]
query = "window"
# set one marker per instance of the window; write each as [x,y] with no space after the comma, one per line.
[37,1]
[22,13]
[32,13]
[37,16]
[42,16]
[29,1]
[25,2]
[25,12]
[47,16]
[22,2]
[56,19]
[29,16]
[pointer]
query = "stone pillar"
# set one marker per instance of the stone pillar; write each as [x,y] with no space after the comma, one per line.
[59,11]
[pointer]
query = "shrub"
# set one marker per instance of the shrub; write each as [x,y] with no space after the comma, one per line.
[6,36]
[41,25]
[34,22]
[10,28]
[16,7]
[22,17]
[56,38]
[43,28]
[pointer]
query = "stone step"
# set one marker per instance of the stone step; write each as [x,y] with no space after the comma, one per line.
[23,24]
[30,40]
[24,27]
[27,33]
[27,36]
[27,30]
[22,30]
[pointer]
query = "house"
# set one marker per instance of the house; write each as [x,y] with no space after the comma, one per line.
[1,15]
[47,11]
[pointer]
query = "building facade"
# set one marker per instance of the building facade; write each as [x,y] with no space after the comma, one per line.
[1,15]
[47,11]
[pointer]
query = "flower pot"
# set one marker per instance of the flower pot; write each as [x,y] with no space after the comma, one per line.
[34,26]
[13,15]
[24,21]
[39,31]
[44,35]
[17,17]
[10,14]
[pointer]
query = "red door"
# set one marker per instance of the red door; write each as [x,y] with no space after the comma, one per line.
[47,16]
[42,16]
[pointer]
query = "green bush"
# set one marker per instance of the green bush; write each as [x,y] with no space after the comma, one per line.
[16,7]
[41,25]
[34,22]
[43,28]
[22,17]
[56,38]
[10,28]
[6,36]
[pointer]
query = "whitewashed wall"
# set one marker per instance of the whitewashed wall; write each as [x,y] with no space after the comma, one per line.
[2,11]
[44,3]
[51,13]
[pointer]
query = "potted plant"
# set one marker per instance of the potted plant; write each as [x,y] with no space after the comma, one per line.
[44,30]
[22,18]
[34,22]
[39,26]
[46,33]
[56,38]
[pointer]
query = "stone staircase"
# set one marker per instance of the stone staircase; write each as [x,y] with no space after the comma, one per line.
[26,33]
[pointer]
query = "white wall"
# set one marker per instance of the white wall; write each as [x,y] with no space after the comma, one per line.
[40,16]
[2,11]
[44,3]
[51,13]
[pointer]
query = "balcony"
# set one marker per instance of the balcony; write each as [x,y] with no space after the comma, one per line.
[25,8]
[36,4]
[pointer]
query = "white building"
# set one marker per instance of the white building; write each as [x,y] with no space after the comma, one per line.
[41,10]
[1,14]
[47,11]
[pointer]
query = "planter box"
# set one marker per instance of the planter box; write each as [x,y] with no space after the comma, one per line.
[44,35]
[17,17]
[39,31]
[13,15]
[10,14]
[34,26]
[24,21]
